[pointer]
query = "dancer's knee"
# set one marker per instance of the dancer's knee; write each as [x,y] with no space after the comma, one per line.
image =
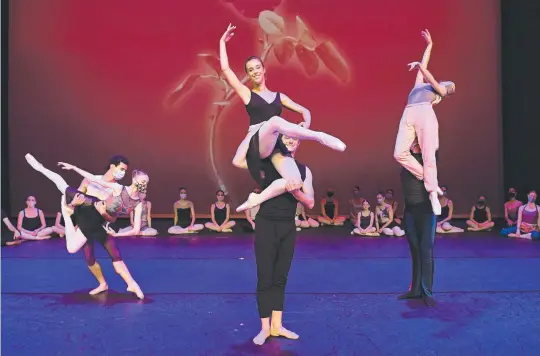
[90,260]
[239,162]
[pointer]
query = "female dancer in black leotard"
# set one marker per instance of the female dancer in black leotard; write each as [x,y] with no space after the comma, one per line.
[122,201]
[220,214]
[264,109]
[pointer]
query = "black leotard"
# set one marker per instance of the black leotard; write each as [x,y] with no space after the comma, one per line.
[259,111]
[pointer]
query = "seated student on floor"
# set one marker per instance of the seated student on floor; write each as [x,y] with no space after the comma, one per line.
[220,214]
[31,222]
[385,219]
[528,220]
[184,216]
[480,218]
[252,213]
[389,199]
[355,205]
[330,210]
[7,238]
[146,221]
[365,222]
[303,221]
[511,208]
[444,225]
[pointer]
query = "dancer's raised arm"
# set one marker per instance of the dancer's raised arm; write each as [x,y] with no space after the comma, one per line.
[426,57]
[439,88]
[92,178]
[291,105]
[232,79]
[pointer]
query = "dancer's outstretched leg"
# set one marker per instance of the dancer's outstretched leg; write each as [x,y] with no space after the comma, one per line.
[60,183]
[270,130]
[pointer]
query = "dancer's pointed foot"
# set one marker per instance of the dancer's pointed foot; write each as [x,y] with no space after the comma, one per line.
[332,142]
[261,337]
[284,333]
[439,191]
[33,162]
[100,289]
[435,203]
[134,288]
[253,201]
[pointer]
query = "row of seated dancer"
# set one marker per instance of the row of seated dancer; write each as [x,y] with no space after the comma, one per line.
[31,224]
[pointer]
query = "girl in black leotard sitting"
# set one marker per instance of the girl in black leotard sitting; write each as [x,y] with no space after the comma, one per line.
[480,218]
[220,213]
[31,222]
[330,210]
[365,223]
[264,109]
[184,216]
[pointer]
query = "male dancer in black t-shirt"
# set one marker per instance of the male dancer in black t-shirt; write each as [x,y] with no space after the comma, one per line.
[275,239]
[420,225]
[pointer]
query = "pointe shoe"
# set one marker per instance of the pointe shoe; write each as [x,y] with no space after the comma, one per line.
[100,289]
[32,161]
[332,142]
[252,202]
[134,288]
[435,203]
[439,191]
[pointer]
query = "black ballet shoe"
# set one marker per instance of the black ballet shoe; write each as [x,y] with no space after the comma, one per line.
[409,295]
[428,301]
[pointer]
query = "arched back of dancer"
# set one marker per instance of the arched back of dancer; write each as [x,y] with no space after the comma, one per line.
[528,222]
[31,222]
[480,217]
[264,109]
[444,224]
[420,122]
[90,212]
[220,214]
[365,222]
[146,221]
[275,240]
[511,208]
[184,216]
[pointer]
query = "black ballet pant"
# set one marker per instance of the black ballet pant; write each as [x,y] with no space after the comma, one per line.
[88,219]
[420,229]
[274,250]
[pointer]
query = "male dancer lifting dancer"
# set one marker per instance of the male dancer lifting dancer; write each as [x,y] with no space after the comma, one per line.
[420,225]
[275,240]
[93,228]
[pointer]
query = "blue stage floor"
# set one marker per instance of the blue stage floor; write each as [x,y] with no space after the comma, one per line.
[341,298]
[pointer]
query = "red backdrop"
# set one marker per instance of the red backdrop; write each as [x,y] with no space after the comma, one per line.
[88,80]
